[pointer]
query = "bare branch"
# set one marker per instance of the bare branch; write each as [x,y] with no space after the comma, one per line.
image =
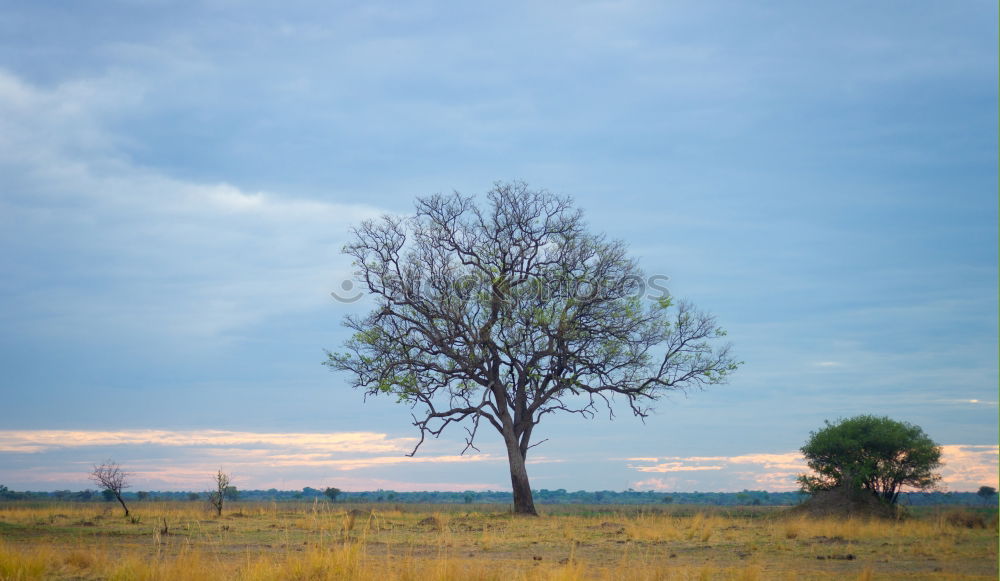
[218,496]
[512,310]
[110,477]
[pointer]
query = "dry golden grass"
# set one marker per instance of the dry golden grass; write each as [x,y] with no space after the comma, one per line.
[319,541]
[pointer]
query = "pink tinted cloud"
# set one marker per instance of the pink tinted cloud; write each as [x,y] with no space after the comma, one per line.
[674,467]
[255,459]
[969,467]
[32,441]
[964,467]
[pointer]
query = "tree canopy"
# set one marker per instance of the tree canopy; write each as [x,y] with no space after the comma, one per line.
[504,313]
[872,453]
[986,492]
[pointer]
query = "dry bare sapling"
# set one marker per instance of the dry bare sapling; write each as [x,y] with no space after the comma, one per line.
[217,497]
[110,477]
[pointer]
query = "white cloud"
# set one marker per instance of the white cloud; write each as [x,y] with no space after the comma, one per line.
[973,401]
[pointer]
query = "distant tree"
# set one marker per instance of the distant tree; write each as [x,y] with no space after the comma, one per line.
[217,498]
[503,313]
[142,495]
[193,496]
[112,479]
[231,493]
[667,499]
[332,493]
[876,454]
[986,493]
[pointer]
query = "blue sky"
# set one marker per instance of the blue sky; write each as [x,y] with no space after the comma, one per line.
[176,183]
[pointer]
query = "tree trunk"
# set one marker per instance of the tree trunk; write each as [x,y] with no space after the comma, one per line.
[523,502]
[119,497]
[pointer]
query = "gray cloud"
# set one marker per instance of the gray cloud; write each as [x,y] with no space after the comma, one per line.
[176,181]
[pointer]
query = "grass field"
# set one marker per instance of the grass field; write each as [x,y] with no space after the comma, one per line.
[185,541]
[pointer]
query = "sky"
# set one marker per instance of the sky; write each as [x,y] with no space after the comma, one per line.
[177,181]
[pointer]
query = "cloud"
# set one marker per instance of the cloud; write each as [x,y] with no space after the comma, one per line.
[975,402]
[107,247]
[665,484]
[33,441]
[786,460]
[964,467]
[674,467]
[355,464]
[766,471]
[182,458]
[154,185]
[969,467]
[198,477]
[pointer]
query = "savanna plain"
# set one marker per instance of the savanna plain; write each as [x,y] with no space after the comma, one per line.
[320,540]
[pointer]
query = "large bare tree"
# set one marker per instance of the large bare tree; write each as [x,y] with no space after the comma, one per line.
[112,478]
[503,313]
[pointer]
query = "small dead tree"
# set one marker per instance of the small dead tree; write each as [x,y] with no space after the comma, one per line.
[218,497]
[109,476]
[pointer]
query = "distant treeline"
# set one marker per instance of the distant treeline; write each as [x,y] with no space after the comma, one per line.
[543,496]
